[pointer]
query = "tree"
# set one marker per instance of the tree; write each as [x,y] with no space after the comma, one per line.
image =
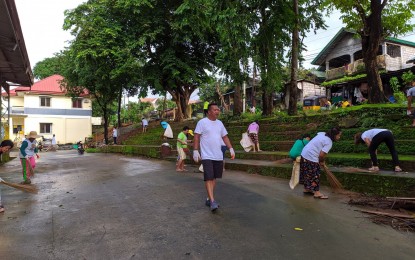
[177,43]
[231,21]
[48,67]
[374,21]
[98,59]
[307,16]
[270,29]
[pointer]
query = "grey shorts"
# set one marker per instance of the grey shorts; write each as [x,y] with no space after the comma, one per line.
[212,169]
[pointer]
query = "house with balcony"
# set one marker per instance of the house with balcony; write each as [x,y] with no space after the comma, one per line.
[342,60]
[45,108]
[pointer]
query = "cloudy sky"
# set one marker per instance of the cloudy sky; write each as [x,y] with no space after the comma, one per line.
[42,21]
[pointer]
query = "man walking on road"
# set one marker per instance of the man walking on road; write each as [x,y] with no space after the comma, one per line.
[208,135]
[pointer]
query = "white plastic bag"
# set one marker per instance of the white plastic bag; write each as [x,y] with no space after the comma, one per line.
[169,132]
[295,176]
[246,142]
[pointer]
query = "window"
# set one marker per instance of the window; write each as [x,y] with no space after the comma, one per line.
[393,50]
[45,128]
[77,103]
[44,101]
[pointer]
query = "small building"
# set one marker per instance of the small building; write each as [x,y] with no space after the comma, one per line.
[45,108]
[342,57]
[152,101]
[306,88]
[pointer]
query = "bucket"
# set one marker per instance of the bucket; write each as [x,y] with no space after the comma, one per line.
[165,150]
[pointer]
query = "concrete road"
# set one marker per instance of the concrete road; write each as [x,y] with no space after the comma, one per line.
[106,206]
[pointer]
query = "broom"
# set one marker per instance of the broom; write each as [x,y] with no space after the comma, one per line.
[22,187]
[334,182]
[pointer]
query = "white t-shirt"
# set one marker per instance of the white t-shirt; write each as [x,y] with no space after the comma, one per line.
[115,132]
[369,134]
[144,122]
[30,149]
[211,134]
[53,141]
[411,92]
[319,143]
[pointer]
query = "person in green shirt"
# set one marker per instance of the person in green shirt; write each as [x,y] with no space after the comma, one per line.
[181,146]
[205,107]
[298,146]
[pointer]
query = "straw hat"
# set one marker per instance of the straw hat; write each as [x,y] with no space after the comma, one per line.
[33,134]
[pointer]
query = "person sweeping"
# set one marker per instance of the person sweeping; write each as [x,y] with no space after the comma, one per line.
[373,138]
[313,157]
[27,152]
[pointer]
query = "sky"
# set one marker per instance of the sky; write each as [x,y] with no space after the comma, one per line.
[42,20]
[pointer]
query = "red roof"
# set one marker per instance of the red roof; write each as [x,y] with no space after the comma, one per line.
[47,86]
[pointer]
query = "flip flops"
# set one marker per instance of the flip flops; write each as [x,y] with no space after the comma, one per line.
[322,197]
[374,169]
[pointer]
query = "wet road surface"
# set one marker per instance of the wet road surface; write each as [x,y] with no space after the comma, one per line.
[107,206]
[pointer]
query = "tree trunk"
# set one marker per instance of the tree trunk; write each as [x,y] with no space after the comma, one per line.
[106,123]
[119,108]
[371,38]
[179,114]
[253,93]
[267,103]
[292,105]
[237,102]
[222,100]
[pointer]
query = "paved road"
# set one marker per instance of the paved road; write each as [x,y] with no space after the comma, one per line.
[106,206]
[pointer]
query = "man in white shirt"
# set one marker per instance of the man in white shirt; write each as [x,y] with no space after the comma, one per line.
[208,136]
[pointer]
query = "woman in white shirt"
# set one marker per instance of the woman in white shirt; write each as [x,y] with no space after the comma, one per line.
[373,138]
[312,156]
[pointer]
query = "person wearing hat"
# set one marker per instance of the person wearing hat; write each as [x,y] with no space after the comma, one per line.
[27,153]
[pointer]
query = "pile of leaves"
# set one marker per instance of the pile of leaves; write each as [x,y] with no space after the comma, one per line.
[397,212]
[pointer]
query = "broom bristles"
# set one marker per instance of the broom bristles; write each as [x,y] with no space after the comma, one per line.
[333,181]
[23,187]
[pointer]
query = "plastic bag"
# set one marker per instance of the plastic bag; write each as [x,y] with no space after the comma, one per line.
[246,142]
[295,175]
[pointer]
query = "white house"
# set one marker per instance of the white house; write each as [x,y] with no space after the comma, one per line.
[45,108]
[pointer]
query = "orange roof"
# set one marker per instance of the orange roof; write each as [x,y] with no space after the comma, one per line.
[148,100]
[49,85]
[195,101]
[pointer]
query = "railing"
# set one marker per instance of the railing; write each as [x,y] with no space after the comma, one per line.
[353,68]
[17,110]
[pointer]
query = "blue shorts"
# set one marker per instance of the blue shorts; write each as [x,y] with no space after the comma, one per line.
[224,148]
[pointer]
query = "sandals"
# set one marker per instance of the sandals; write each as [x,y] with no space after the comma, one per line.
[374,169]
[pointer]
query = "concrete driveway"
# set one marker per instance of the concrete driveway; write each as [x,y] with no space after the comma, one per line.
[108,206]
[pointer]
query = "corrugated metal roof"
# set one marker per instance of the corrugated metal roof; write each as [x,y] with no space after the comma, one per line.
[49,85]
[320,58]
[14,61]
